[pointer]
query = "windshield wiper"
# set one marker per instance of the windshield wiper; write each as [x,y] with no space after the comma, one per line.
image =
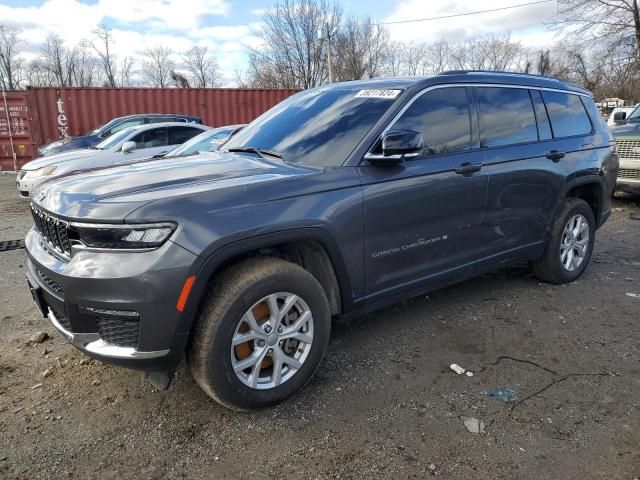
[258,151]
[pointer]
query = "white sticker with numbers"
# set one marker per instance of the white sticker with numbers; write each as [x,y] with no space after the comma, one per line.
[378,93]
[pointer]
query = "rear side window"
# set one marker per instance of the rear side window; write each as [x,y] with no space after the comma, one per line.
[544,127]
[160,119]
[442,116]
[178,135]
[567,114]
[506,116]
[126,124]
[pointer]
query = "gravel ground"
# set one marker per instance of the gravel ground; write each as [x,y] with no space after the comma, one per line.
[384,403]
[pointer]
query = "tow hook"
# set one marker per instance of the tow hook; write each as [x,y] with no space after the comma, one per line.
[160,380]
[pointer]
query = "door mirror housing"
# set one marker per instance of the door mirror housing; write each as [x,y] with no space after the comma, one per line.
[397,145]
[619,117]
[128,147]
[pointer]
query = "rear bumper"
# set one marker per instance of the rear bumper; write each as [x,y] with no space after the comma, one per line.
[119,308]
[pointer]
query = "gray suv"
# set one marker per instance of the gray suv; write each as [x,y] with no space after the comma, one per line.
[340,200]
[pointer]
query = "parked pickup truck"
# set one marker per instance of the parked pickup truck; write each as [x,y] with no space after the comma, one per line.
[340,200]
[627,138]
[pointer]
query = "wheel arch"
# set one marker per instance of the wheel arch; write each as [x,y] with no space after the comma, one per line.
[310,247]
[589,188]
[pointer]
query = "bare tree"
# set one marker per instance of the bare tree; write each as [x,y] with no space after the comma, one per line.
[59,61]
[488,52]
[360,49]
[10,61]
[615,22]
[102,45]
[158,65]
[37,75]
[127,71]
[86,69]
[293,54]
[179,79]
[202,67]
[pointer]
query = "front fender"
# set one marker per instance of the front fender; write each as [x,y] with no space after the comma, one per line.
[219,257]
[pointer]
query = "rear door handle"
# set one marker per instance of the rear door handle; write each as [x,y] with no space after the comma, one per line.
[468,168]
[555,155]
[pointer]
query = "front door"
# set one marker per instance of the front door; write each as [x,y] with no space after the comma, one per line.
[422,217]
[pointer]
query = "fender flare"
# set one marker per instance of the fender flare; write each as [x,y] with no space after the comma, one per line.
[588,179]
[209,267]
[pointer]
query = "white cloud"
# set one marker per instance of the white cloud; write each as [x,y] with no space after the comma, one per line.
[529,19]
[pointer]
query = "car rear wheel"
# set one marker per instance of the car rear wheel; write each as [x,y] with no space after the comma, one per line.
[571,244]
[261,335]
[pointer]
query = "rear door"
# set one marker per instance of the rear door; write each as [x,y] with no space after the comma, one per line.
[524,183]
[422,218]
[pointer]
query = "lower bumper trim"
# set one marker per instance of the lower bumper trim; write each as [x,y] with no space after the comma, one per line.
[92,343]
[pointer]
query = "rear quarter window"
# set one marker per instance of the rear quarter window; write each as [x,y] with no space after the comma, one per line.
[567,114]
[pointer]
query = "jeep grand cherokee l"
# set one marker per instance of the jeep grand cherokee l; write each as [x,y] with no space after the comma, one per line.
[337,201]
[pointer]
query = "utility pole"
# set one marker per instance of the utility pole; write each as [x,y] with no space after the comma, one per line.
[329,32]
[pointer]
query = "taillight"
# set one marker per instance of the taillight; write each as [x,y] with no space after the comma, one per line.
[613,146]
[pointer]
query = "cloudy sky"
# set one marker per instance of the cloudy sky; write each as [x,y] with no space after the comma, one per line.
[229,26]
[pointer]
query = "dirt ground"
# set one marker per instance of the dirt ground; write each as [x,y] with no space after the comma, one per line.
[384,403]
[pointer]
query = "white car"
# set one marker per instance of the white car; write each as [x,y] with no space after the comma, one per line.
[126,146]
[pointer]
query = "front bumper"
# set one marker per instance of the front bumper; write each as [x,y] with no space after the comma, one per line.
[628,175]
[27,185]
[117,307]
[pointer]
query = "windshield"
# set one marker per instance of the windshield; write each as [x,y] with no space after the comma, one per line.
[635,116]
[105,126]
[204,142]
[317,127]
[114,139]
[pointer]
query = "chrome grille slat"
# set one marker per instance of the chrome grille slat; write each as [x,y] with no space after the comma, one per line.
[628,148]
[628,173]
[53,230]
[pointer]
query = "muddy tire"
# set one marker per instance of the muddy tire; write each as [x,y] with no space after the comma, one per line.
[569,249]
[261,334]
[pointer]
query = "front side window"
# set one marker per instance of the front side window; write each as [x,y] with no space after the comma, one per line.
[567,114]
[319,127]
[442,116]
[506,116]
[156,137]
[114,139]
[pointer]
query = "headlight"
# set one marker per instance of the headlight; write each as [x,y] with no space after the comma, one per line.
[123,236]
[42,172]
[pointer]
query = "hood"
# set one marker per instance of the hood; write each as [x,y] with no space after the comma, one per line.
[59,158]
[68,143]
[110,194]
[626,130]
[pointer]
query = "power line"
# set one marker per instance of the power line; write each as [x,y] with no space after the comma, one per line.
[467,13]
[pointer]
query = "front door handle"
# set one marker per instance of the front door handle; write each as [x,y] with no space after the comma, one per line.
[467,168]
[555,155]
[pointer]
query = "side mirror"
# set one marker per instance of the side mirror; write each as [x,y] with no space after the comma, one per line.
[619,117]
[397,145]
[128,147]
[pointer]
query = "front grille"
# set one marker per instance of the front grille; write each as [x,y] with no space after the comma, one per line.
[628,148]
[628,173]
[50,282]
[119,331]
[62,318]
[54,231]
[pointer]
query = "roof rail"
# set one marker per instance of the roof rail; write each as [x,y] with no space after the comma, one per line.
[496,72]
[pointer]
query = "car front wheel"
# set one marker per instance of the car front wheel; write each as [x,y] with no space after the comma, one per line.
[261,335]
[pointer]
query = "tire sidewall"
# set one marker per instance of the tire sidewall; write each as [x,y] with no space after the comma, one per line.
[573,208]
[219,369]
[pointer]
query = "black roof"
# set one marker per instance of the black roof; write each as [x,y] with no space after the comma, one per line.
[461,76]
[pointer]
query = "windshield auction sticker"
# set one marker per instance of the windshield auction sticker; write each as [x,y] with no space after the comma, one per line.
[378,93]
